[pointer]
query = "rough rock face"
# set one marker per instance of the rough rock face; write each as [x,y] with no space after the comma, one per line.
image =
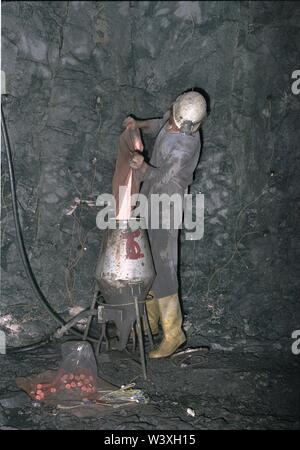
[74,71]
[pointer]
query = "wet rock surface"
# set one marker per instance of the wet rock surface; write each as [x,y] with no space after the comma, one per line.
[74,71]
[225,390]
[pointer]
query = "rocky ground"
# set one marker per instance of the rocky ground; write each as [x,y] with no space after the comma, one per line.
[226,390]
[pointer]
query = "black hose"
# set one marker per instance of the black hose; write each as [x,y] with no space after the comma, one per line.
[27,348]
[22,250]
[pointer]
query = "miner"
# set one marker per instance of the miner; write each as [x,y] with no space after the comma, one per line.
[170,171]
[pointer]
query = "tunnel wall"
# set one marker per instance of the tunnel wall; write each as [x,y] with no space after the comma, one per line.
[74,71]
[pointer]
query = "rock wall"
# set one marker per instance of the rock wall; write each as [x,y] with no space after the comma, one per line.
[74,71]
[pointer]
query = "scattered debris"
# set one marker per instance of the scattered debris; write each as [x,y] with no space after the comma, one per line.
[78,201]
[203,349]
[190,412]
[76,387]
[190,356]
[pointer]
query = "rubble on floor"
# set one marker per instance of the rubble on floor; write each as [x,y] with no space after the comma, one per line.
[216,390]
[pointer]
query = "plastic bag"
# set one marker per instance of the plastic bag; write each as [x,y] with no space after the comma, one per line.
[78,357]
[75,387]
[129,142]
[76,378]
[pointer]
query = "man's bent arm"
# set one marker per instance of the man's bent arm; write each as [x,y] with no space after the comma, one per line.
[153,126]
[177,167]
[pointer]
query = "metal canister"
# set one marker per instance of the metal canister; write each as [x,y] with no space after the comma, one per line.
[125,259]
[125,269]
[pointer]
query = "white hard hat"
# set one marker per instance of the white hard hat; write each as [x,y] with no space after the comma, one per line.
[189,109]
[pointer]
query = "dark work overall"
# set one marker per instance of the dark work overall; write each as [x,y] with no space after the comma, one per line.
[174,159]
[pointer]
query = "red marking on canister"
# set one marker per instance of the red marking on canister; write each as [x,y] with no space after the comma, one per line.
[133,249]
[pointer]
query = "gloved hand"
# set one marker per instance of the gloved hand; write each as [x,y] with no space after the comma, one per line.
[136,161]
[130,122]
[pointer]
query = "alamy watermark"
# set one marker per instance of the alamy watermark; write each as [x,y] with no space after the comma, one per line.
[296,84]
[2,343]
[296,343]
[159,211]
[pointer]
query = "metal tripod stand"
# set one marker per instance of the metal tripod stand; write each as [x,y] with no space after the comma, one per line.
[115,313]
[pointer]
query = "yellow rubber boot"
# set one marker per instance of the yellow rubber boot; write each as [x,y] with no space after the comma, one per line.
[152,312]
[171,321]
